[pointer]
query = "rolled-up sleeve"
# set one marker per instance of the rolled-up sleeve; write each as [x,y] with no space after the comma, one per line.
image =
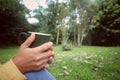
[9,71]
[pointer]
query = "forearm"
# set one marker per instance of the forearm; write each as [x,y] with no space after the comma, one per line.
[9,71]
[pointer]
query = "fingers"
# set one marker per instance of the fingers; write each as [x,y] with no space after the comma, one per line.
[46,66]
[46,54]
[50,60]
[45,47]
[29,41]
[42,60]
[41,64]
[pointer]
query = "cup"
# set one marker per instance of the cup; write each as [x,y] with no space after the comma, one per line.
[40,38]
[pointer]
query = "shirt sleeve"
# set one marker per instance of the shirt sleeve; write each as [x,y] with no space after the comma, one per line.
[9,71]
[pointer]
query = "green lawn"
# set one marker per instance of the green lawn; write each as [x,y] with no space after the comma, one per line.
[7,53]
[84,63]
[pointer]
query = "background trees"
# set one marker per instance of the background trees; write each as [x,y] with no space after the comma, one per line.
[12,21]
[70,21]
[81,10]
[107,31]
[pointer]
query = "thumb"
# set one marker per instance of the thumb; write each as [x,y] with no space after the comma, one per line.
[29,40]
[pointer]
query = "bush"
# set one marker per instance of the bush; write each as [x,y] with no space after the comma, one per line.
[66,47]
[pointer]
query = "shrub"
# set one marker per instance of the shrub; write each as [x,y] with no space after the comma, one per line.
[67,47]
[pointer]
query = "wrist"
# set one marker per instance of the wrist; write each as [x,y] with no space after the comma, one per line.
[16,61]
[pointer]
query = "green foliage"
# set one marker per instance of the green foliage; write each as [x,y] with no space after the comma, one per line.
[47,18]
[67,47]
[110,14]
[107,23]
[52,18]
[82,13]
[12,21]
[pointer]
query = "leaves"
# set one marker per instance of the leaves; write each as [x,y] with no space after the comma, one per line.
[65,71]
[12,21]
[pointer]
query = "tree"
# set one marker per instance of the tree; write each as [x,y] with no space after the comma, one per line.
[62,17]
[53,19]
[82,13]
[12,20]
[108,23]
[47,18]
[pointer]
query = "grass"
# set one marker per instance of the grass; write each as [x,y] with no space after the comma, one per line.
[84,63]
[87,63]
[7,53]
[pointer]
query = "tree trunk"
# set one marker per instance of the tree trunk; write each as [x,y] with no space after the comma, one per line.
[58,33]
[78,37]
[75,39]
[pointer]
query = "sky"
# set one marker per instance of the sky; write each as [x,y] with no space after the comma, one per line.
[32,5]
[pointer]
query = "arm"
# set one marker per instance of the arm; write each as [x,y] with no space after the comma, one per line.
[9,71]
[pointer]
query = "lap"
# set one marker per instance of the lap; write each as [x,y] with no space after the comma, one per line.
[39,75]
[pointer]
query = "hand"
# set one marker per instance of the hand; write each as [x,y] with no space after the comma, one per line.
[33,59]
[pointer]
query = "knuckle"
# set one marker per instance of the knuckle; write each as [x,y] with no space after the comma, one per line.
[36,66]
[49,51]
[36,58]
[48,45]
[53,53]
[35,51]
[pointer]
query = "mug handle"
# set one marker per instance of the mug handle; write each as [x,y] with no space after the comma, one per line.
[22,37]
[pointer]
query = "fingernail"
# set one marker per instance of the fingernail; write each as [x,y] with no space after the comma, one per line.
[51,58]
[50,43]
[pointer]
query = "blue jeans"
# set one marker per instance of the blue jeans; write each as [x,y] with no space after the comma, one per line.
[39,75]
